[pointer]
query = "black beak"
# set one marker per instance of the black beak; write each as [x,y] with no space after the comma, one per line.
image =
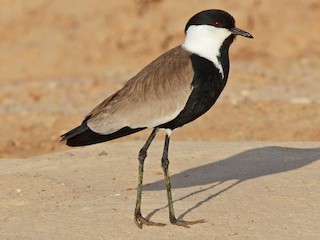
[238,31]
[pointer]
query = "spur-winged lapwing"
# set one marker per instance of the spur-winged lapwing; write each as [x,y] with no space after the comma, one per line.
[175,89]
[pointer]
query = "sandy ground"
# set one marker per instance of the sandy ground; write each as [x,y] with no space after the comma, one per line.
[58,59]
[244,190]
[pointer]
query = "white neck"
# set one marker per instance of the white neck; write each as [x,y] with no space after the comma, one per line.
[206,41]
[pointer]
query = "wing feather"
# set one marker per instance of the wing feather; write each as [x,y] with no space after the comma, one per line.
[156,95]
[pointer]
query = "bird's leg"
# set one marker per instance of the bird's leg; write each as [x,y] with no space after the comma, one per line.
[138,219]
[165,167]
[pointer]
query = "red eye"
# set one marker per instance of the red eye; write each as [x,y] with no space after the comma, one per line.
[216,24]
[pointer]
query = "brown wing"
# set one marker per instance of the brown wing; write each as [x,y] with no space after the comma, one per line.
[156,95]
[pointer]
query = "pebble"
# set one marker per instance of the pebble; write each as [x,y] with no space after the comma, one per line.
[301,100]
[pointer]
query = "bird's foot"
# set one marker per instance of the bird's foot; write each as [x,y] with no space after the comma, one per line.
[140,221]
[185,224]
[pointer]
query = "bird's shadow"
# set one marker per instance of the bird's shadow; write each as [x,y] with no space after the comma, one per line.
[244,166]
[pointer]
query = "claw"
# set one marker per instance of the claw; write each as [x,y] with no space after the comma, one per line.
[185,224]
[139,221]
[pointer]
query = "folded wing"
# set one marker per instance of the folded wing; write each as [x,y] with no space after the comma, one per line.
[154,96]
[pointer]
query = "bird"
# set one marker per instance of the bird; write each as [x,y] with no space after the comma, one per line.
[176,88]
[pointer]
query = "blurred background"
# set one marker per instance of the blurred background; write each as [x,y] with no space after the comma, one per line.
[59,59]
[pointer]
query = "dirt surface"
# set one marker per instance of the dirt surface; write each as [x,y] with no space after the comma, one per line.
[244,190]
[58,59]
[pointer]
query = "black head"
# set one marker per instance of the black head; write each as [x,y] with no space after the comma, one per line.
[218,19]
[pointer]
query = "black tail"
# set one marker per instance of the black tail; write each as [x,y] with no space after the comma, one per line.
[83,135]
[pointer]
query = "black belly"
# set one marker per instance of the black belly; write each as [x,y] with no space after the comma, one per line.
[207,86]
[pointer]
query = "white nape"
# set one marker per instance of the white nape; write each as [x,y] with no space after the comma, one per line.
[206,41]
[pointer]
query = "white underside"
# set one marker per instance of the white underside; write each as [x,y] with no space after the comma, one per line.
[206,41]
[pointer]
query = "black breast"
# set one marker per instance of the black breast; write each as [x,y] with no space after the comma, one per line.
[207,86]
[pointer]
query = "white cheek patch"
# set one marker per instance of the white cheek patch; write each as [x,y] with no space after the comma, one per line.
[206,41]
